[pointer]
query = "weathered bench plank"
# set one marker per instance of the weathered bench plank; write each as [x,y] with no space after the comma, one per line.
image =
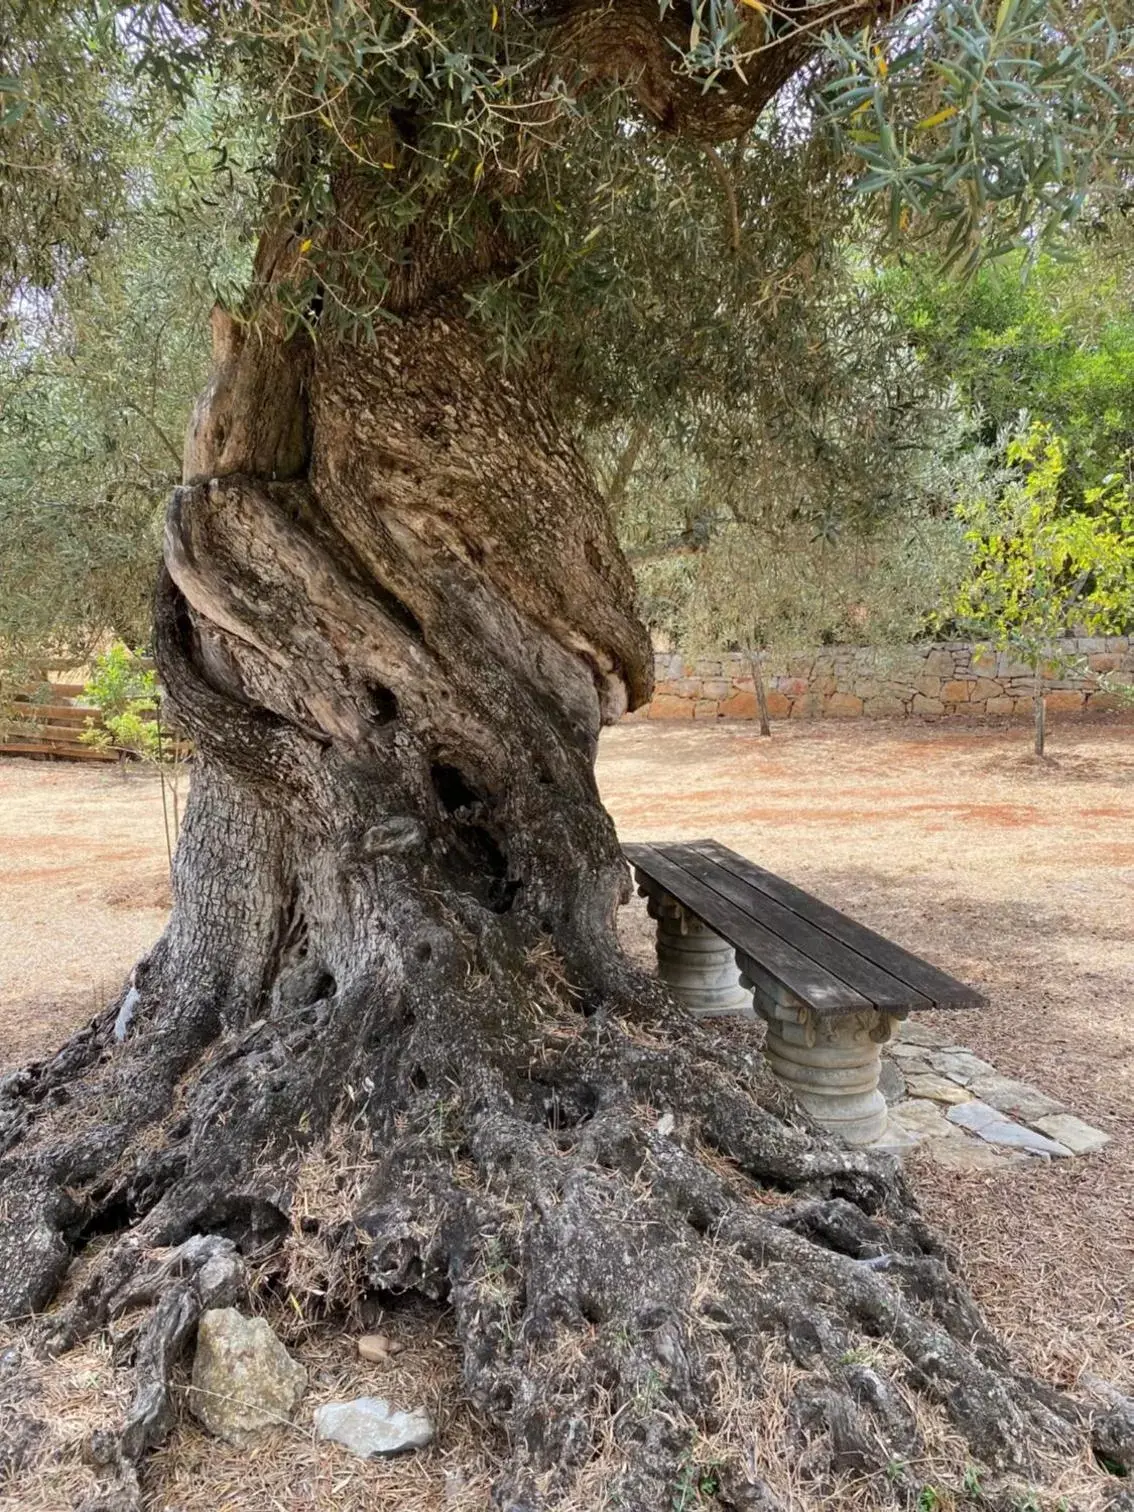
[938,987]
[799,974]
[863,976]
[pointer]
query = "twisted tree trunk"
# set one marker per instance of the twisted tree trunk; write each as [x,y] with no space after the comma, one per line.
[393,620]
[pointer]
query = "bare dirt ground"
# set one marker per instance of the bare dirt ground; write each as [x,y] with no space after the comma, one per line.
[84,890]
[1014,875]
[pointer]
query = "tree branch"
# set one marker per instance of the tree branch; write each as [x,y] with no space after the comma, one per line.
[173,451]
[633,43]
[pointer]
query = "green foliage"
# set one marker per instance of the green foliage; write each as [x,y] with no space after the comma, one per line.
[1058,345]
[124,691]
[697,1486]
[992,123]
[121,681]
[788,589]
[96,380]
[853,539]
[1038,569]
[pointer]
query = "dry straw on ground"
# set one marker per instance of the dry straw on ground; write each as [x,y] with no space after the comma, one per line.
[949,839]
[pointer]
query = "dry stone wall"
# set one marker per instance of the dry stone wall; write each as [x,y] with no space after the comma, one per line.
[851,682]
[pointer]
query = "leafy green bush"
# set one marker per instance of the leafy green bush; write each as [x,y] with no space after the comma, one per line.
[124,690]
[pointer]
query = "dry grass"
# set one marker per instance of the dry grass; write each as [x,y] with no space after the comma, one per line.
[54,1409]
[291,1469]
[948,839]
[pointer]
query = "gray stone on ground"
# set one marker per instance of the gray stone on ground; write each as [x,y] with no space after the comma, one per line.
[369,1426]
[937,1088]
[891,1082]
[1016,1098]
[921,1119]
[913,1033]
[1079,1137]
[904,1053]
[895,1140]
[997,1129]
[244,1380]
[960,1065]
[964,1154]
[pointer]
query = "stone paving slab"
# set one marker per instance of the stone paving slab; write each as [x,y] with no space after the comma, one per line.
[912,1033]
[903,1052]
[963,1153]
[965,1115]
[921,1119]
[1015,1098]
[891,1082]
[960,1065]
[938,1088]
[1079,1137]
[992,1125]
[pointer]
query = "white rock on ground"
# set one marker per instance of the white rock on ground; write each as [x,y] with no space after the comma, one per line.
[369,1426]
[1079,1137]
[993,1126]
[244,1380]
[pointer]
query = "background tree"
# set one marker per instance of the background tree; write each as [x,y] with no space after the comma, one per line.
[99,364]
[1039,570]
[1054,341]
[393,618]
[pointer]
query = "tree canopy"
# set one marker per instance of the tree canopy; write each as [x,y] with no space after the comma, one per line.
[528,147]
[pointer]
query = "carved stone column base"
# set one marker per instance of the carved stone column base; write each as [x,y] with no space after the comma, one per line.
[831,1064]
[697,966]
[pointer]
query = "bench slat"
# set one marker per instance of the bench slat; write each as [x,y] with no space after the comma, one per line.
[789,966]
[942,990]
[875,984]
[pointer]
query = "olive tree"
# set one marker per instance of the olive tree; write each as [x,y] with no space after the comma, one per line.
[393,617]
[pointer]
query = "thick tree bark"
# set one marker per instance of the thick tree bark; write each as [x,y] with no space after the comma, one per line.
[393,621]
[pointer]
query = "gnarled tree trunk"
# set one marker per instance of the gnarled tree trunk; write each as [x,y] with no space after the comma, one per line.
[393,620]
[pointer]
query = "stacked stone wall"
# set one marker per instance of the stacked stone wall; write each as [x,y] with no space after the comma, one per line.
[851,682]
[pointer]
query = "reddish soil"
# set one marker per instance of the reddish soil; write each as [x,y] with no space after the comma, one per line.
[1015,875]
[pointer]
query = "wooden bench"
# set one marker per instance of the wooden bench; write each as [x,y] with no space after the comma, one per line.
[734,938]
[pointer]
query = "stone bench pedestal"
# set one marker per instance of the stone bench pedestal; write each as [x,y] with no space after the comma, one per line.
[697,966]
[831,1063]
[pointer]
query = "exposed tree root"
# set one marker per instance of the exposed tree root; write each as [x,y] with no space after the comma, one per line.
[633,1229]
[388,1044]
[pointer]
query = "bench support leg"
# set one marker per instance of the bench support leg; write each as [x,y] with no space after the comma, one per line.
[831,1065]
[697,966]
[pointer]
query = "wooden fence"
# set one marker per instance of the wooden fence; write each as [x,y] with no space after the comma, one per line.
[47,719]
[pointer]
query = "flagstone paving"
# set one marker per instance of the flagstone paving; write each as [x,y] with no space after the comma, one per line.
[958,1108]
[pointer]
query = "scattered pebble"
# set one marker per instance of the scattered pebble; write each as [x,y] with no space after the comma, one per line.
[370,1427]
[378,1347]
